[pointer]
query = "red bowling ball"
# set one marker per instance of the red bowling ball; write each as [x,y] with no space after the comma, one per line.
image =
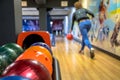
[28,68]
[40,54]
[69,36]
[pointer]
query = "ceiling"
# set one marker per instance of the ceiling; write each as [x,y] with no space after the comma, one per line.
[56,13]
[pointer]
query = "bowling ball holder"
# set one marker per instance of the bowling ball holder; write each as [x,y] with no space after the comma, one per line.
[56,70]
[56,75]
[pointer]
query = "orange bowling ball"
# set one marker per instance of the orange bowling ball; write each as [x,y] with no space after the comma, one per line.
[69,36]
[40,54]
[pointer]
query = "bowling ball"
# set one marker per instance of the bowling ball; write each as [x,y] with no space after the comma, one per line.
[43,45]
[39,49]
[14,78]
[18,49]
[27,68]
[8,54]
[3,64]
[69,36]
[33,53]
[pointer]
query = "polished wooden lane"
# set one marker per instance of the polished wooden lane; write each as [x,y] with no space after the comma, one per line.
[76,66]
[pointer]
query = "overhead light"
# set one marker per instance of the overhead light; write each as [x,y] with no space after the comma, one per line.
[64,3]
[85,4]
[24,3]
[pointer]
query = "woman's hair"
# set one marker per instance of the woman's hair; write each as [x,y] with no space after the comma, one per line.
[78,5]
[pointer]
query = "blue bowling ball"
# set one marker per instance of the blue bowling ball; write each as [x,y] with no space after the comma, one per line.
[43,45]
[14,78]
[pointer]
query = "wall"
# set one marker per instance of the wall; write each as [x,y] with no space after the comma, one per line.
[10,20]
[106,35]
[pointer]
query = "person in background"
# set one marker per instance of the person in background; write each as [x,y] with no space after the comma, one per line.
[49,26]
[84,22]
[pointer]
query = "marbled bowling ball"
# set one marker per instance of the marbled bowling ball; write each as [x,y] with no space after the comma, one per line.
[7,56]
[18,49]
[43,45]
[28,68]
[3,64]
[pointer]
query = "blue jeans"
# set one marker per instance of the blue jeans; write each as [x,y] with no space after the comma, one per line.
[84,29]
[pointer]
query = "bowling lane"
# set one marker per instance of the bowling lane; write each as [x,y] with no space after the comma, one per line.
[76,66]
